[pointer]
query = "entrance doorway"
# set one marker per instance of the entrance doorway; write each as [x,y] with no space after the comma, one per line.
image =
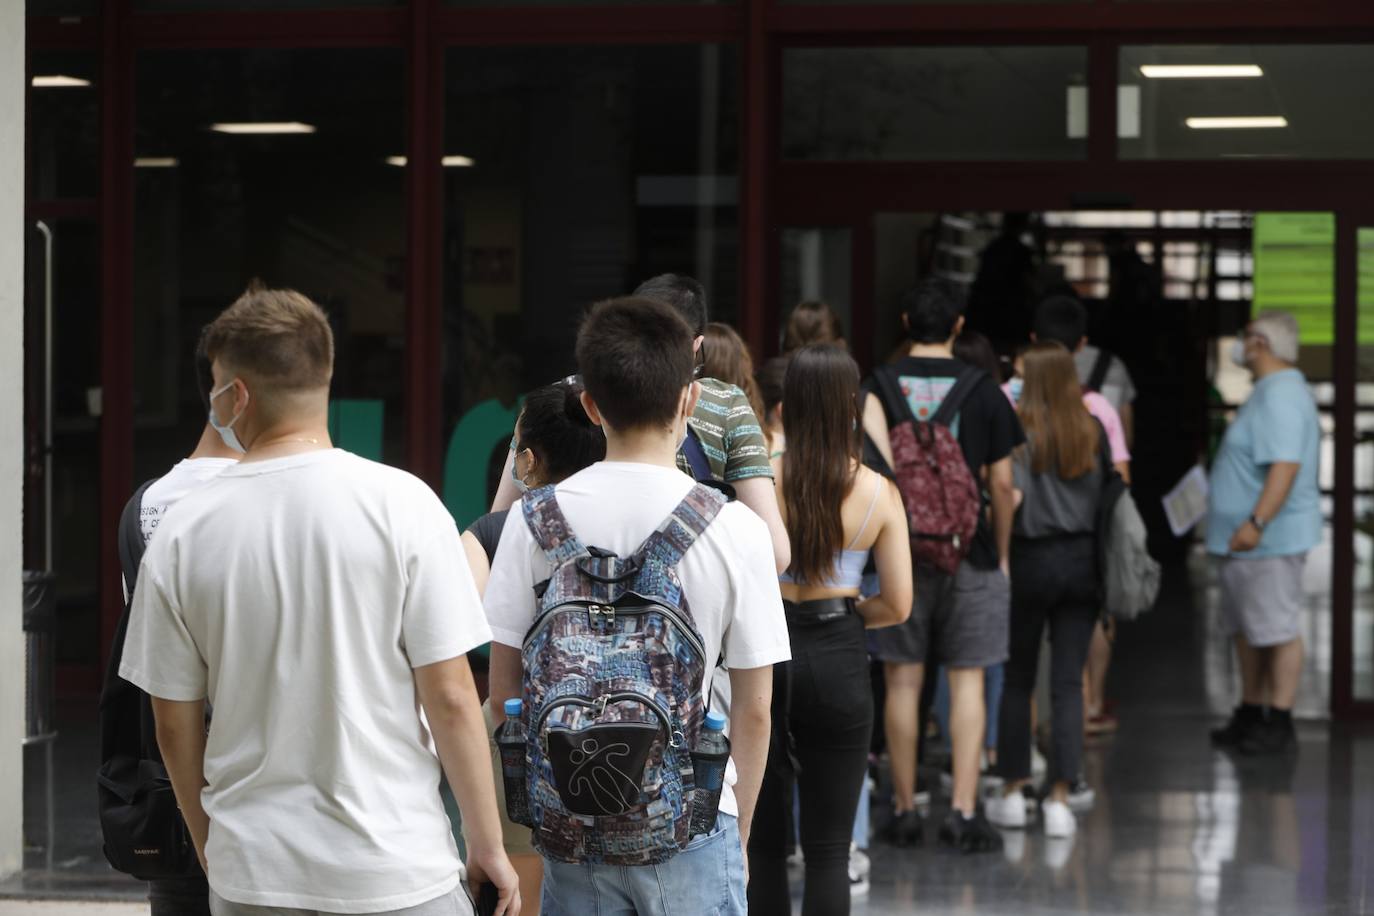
[1167,291]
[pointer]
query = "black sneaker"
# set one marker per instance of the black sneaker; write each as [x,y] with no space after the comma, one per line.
[1269,737]
[905,830]
[1243,719]
[968,835]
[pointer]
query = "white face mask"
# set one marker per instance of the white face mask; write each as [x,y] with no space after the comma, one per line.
[226,431]
[1238,352]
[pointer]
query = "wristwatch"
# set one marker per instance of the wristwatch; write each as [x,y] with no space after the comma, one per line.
[1259,525]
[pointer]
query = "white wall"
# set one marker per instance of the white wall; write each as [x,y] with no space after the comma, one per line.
[11,433]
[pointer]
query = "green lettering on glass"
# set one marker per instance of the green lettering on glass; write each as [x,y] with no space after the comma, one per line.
[469,452]
[356,426]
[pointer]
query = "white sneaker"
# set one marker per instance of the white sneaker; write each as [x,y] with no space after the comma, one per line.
[859,864]
[1007,811]
[1059,820]
[1081,796]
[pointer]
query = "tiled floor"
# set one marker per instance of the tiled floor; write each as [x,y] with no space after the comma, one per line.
[1178,828]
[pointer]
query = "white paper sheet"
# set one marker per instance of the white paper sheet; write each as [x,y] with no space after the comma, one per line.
[1186,504]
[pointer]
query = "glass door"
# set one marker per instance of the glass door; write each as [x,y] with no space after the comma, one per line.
[1360,648]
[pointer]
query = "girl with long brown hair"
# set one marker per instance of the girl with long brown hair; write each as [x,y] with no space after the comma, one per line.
[1054,580]
[726,357]
[837,512]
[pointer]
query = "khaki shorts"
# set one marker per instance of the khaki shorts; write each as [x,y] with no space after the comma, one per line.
[1261,598]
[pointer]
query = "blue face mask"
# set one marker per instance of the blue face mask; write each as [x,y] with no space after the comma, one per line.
[1014,386]
[519,481]
[226,431]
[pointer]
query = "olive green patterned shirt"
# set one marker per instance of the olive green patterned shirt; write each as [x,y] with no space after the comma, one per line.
[730,434]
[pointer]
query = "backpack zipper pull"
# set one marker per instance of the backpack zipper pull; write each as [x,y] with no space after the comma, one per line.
[600,709]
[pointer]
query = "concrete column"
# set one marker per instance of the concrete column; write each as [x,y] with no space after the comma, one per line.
[11,434]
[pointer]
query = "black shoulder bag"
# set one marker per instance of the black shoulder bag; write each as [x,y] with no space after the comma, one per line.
[144,834]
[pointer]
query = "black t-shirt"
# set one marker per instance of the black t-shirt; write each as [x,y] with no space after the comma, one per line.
[986,426]
[487,530]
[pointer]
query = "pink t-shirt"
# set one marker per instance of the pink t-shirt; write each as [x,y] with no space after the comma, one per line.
[1106,414]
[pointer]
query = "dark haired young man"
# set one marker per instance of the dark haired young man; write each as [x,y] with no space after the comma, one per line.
[318,600]
[190,895]
[1064,319]
[960,621]
[731,436]
[635,359]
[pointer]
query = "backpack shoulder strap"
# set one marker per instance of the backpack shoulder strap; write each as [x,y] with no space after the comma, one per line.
[130,538]
[969,378]
[1101,366]
[550,527]
[889,391]
[695,454]
[680,530]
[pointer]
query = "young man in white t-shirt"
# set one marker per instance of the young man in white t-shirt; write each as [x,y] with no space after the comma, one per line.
[190,895]
[635,357]
[319,601]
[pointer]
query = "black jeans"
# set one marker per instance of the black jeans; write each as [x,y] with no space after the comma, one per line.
[179,897]
[1054,581]
[823,699]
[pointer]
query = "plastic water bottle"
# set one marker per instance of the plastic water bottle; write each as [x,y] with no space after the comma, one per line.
[709,757]
[510,740]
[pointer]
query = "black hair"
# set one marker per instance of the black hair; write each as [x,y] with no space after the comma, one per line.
[205,378]
[1061,319]
[682,293]
[770,379]
[932,309]
[976,350]
[635,358]
[554,425]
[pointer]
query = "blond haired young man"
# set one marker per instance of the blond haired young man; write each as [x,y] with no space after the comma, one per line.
[318,601]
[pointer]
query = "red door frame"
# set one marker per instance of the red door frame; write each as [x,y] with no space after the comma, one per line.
[774,193]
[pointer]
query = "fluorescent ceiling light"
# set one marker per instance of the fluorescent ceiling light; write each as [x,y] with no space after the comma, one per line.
[156,162]
[1200,71]
[263,127]
[452,162]
[57,81]
[1266,121]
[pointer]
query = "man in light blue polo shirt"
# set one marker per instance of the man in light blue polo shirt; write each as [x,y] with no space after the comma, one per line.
[1264,516]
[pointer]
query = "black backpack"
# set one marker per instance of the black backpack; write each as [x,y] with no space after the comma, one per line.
[143,830]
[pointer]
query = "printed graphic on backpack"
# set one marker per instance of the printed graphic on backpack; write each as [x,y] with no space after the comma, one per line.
[613,673]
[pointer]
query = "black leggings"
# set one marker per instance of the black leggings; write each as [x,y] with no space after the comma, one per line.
[830,719]
[1053,580]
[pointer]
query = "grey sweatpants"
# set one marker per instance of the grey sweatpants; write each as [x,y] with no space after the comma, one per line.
[454,903]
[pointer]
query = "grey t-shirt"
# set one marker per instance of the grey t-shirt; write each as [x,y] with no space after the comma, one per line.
[1117,387]
[1053,506]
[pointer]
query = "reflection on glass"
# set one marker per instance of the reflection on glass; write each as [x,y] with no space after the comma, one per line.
[1362,645]
[322,212]
[1291,102]
[1001,103]
[76,428]
[64,125]
[816,267]
[592,169]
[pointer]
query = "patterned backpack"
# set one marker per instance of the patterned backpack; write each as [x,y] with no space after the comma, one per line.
[942,499]
[613,670]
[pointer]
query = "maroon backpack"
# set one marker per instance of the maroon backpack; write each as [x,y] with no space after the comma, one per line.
[942,498]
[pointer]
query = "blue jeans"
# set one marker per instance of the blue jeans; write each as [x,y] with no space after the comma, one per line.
[705,879]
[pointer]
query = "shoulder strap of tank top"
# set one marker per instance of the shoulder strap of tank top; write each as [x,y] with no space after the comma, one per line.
[872,504]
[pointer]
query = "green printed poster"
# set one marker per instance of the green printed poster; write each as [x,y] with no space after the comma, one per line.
[1295,270]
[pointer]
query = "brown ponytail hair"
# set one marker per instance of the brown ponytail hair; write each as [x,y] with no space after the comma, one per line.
[820,416]
[1060,433]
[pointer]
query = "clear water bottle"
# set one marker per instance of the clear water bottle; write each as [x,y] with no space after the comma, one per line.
[709,757]
[510,741]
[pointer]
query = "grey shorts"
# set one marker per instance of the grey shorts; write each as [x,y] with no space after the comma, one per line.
[1261,597]
[454,903]
[964,618]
